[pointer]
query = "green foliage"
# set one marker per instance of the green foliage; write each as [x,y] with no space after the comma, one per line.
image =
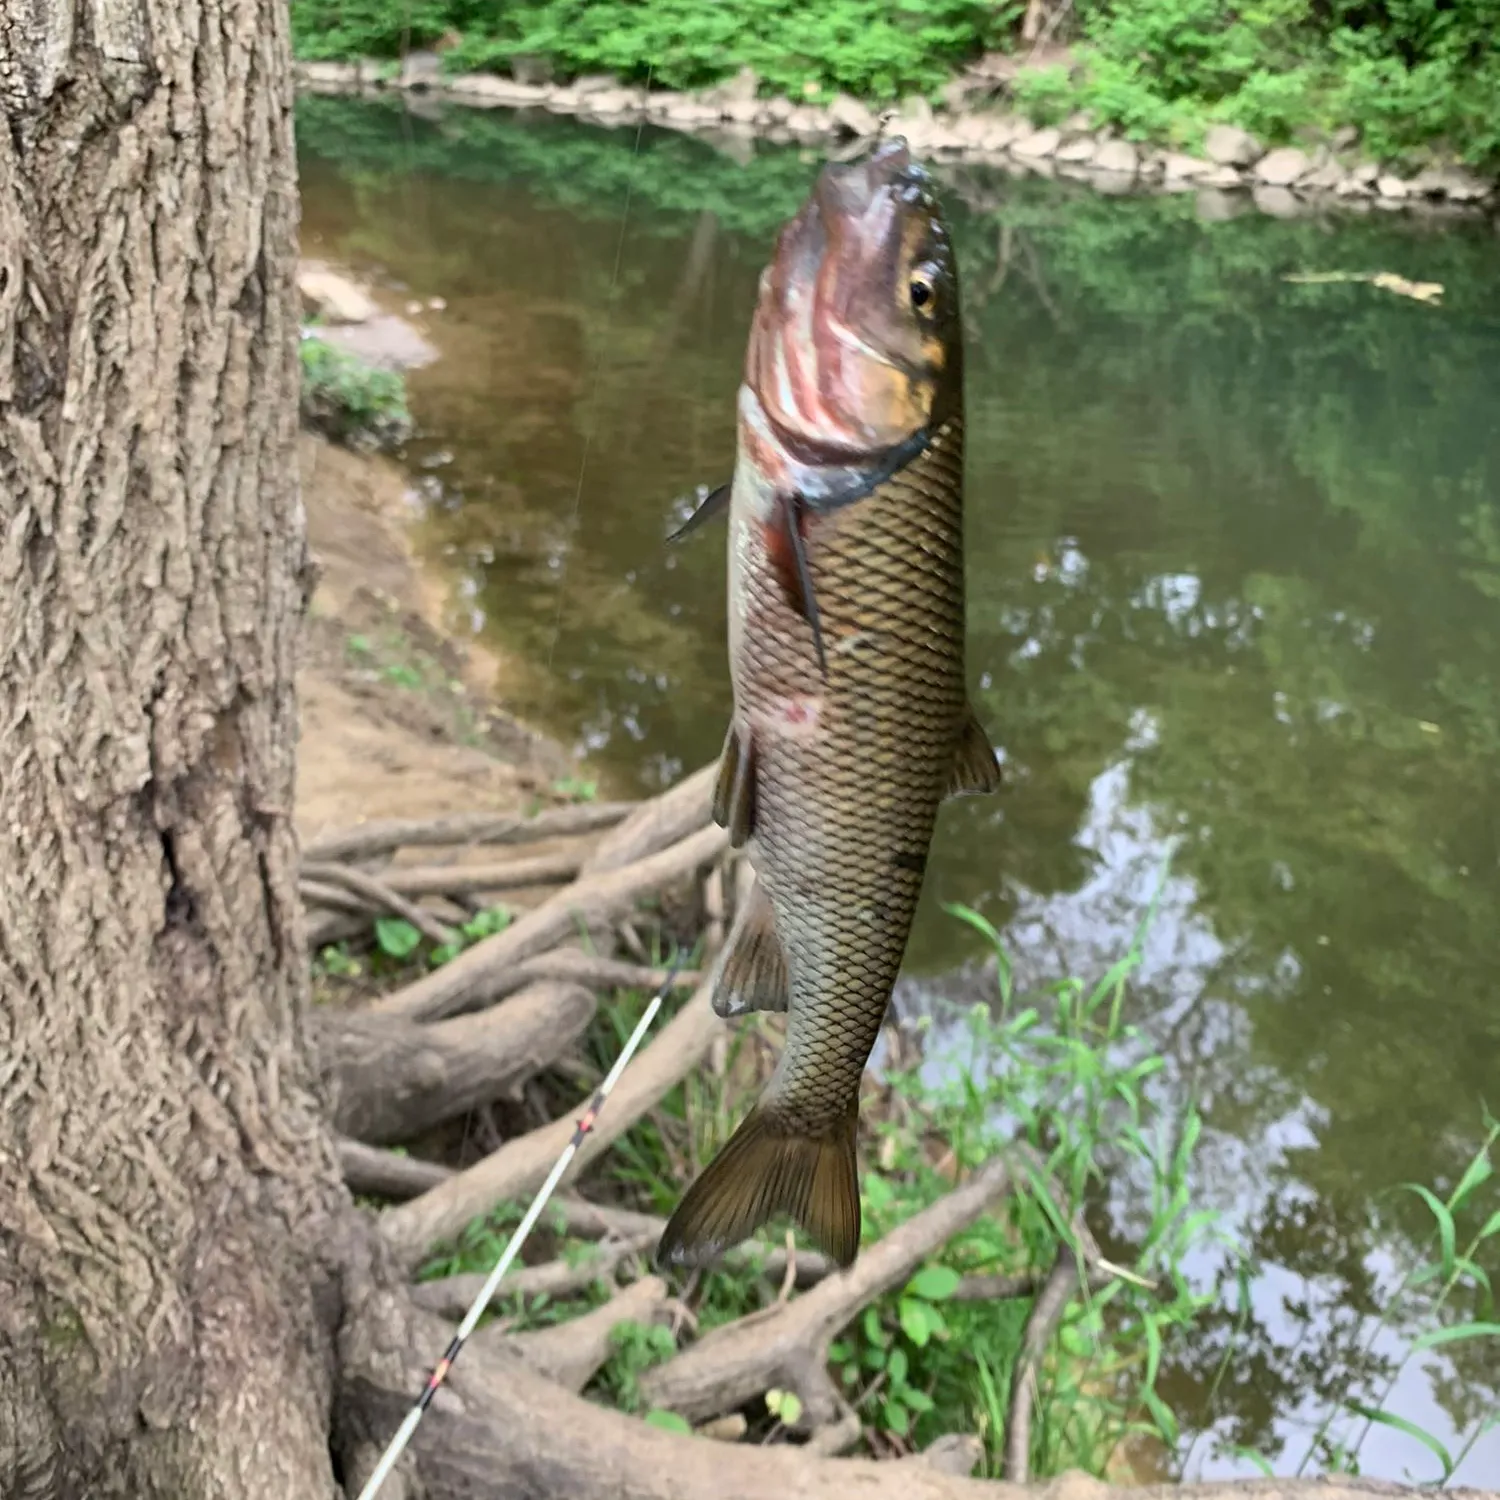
[1453,1269]
[348,400]
[874,48]
[1405,72]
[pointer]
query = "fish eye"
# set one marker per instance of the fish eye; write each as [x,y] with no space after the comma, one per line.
[921,290]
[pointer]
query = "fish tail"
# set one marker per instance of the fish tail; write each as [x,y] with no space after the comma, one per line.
[768,1167]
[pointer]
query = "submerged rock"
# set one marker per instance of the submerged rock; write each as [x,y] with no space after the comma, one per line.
[332,296]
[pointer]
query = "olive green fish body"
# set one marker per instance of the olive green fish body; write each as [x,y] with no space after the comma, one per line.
[849,773]
[846,647]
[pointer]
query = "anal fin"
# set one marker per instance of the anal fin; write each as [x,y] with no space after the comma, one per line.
[734,791]
[975,768]
[753,971]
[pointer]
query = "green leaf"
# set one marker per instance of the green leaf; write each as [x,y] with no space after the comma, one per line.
[1479,1170]
[1491,1225]
[1389,1419]
[935,1283]
[1458,1333]
[898,1367]
[919,1401]
[1444,1219]
[897,1418]
[668,1421]
[1260,1461]
[785,1406]
[396,936]
[915,1323]
[1163,1416]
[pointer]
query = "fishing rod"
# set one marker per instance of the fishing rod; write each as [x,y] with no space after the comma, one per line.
[585,1124]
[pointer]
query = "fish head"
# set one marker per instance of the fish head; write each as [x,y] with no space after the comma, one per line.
[856,347]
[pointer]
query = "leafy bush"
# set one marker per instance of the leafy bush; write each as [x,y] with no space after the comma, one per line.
[1406,72]
[349,400]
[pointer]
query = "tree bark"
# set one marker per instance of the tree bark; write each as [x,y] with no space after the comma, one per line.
[166,1179]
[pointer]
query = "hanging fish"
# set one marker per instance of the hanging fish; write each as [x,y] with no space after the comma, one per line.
[851,720]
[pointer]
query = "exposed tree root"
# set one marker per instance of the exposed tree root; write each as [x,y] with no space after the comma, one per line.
[470,979]
[519,1166]
[585,968]
[787,1345]
[657,824]
[375,840]
[394,1079]
[572,1353]
[465,880]
[384,1174]
[499,1429]
[377,894]
[1041,1323]
[452,1296]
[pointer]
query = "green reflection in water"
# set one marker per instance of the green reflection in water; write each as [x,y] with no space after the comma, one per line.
[1234,562]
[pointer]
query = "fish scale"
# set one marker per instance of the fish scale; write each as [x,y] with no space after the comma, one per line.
[889,569]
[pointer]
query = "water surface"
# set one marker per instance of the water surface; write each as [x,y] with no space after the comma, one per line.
[1234,563]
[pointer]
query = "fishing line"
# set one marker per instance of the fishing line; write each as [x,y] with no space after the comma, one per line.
[592,386]
[586,1122]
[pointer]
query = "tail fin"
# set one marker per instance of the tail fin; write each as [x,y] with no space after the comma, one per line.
[762,1171]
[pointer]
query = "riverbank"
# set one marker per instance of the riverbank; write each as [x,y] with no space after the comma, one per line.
[398,714]
[1284,182]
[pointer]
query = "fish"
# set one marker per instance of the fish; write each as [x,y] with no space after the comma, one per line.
[851,721]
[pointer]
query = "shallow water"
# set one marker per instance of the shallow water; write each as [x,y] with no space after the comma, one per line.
[1234,564]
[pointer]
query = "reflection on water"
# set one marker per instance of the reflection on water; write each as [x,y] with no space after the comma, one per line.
[1234,563]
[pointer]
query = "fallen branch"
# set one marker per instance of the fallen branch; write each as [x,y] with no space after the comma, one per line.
[471,978]
[1041,1323]
[520,1166]
[570,1354]
[467,880]
[383,1174]
[378,894]
[394,1079]
[371,840]
[787,1345]
[452,1296]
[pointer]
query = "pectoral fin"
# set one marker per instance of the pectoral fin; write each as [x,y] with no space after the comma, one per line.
[788,550]
[734,792]
[752,971]
[975,768]
[713,503]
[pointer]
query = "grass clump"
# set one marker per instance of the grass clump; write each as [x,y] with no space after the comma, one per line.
[350,401]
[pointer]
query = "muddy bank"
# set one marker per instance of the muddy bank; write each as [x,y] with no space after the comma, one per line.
[397,715]
[974,124]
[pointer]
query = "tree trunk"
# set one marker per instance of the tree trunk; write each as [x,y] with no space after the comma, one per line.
[166,1324]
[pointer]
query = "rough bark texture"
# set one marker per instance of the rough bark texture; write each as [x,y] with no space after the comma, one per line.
[164,1169]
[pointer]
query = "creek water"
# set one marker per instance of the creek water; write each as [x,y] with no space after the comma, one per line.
[1234,570]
